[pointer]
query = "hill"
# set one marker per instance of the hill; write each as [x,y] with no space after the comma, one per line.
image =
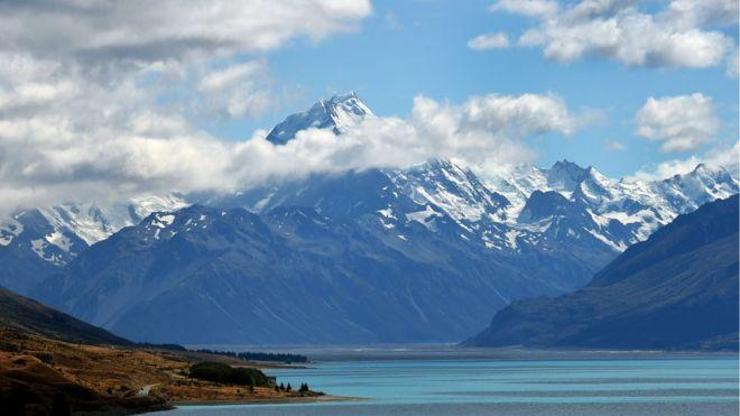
[51,363]
[32,317]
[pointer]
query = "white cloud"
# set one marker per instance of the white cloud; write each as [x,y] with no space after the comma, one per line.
[680,123]
[44,159]
[229,77]
[733,64]
[239,90]
[728,158]
[97,97]
[692,13]
[613,145]
[484,131]
[489,41]
[134,30]
[681,35]
[531,8]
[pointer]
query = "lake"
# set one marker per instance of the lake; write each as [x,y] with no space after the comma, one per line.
[409,383]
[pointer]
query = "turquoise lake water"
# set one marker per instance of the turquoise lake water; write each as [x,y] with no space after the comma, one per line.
[486,386]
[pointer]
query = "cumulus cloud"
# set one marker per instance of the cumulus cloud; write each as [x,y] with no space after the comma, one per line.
[680,123]
[43,159]
[683,34]
[489,41]
[239,90]
[728,158]
[483,131]
[97,97]
[135,31]
[531,8]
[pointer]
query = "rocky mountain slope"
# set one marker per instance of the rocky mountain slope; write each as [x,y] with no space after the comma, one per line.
[291,275]
[677,290]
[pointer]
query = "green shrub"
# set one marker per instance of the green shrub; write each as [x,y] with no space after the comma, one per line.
[225,374]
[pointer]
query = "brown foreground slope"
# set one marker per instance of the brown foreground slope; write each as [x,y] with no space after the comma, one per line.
[29,316]
[51,363]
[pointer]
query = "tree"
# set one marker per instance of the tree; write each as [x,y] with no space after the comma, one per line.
[288,388]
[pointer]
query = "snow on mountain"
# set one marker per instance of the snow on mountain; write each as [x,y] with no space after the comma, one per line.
[528,206]
[453,189]
[9,230]
[593,207]
[58,233]
[517,186]
[141,206]
[684,193]
[338,113]
[641,206]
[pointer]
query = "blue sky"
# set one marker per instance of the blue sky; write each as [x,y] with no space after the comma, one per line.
[406,48]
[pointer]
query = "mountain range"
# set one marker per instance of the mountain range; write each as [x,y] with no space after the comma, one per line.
[424,253]
[678,289]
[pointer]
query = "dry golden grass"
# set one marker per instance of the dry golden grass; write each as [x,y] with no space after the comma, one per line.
[117,374]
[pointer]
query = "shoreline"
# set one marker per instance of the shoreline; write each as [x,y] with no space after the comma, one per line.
[444,351]
[286,400]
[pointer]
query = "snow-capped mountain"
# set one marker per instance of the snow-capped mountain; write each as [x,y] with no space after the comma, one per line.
[578,203]
[641,206]
[294,274]
[338,113]
[621,212]
[50,237]
[435,248]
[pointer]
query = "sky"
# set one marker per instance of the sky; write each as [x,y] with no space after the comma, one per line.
[104,99]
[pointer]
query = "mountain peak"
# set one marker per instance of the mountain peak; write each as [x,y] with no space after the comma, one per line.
[338,113]
[565,164]
[704,172]
[703,169]
[566,175]
[342,98]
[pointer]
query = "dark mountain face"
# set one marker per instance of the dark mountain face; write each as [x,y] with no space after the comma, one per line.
[542,205]
[565,174]
[28,316]
[678,289]
[291,275]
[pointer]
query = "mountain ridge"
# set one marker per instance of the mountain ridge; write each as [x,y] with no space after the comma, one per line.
[676,290]
[468,234]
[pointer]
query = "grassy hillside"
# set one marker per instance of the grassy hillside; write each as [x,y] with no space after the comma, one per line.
[32,317]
